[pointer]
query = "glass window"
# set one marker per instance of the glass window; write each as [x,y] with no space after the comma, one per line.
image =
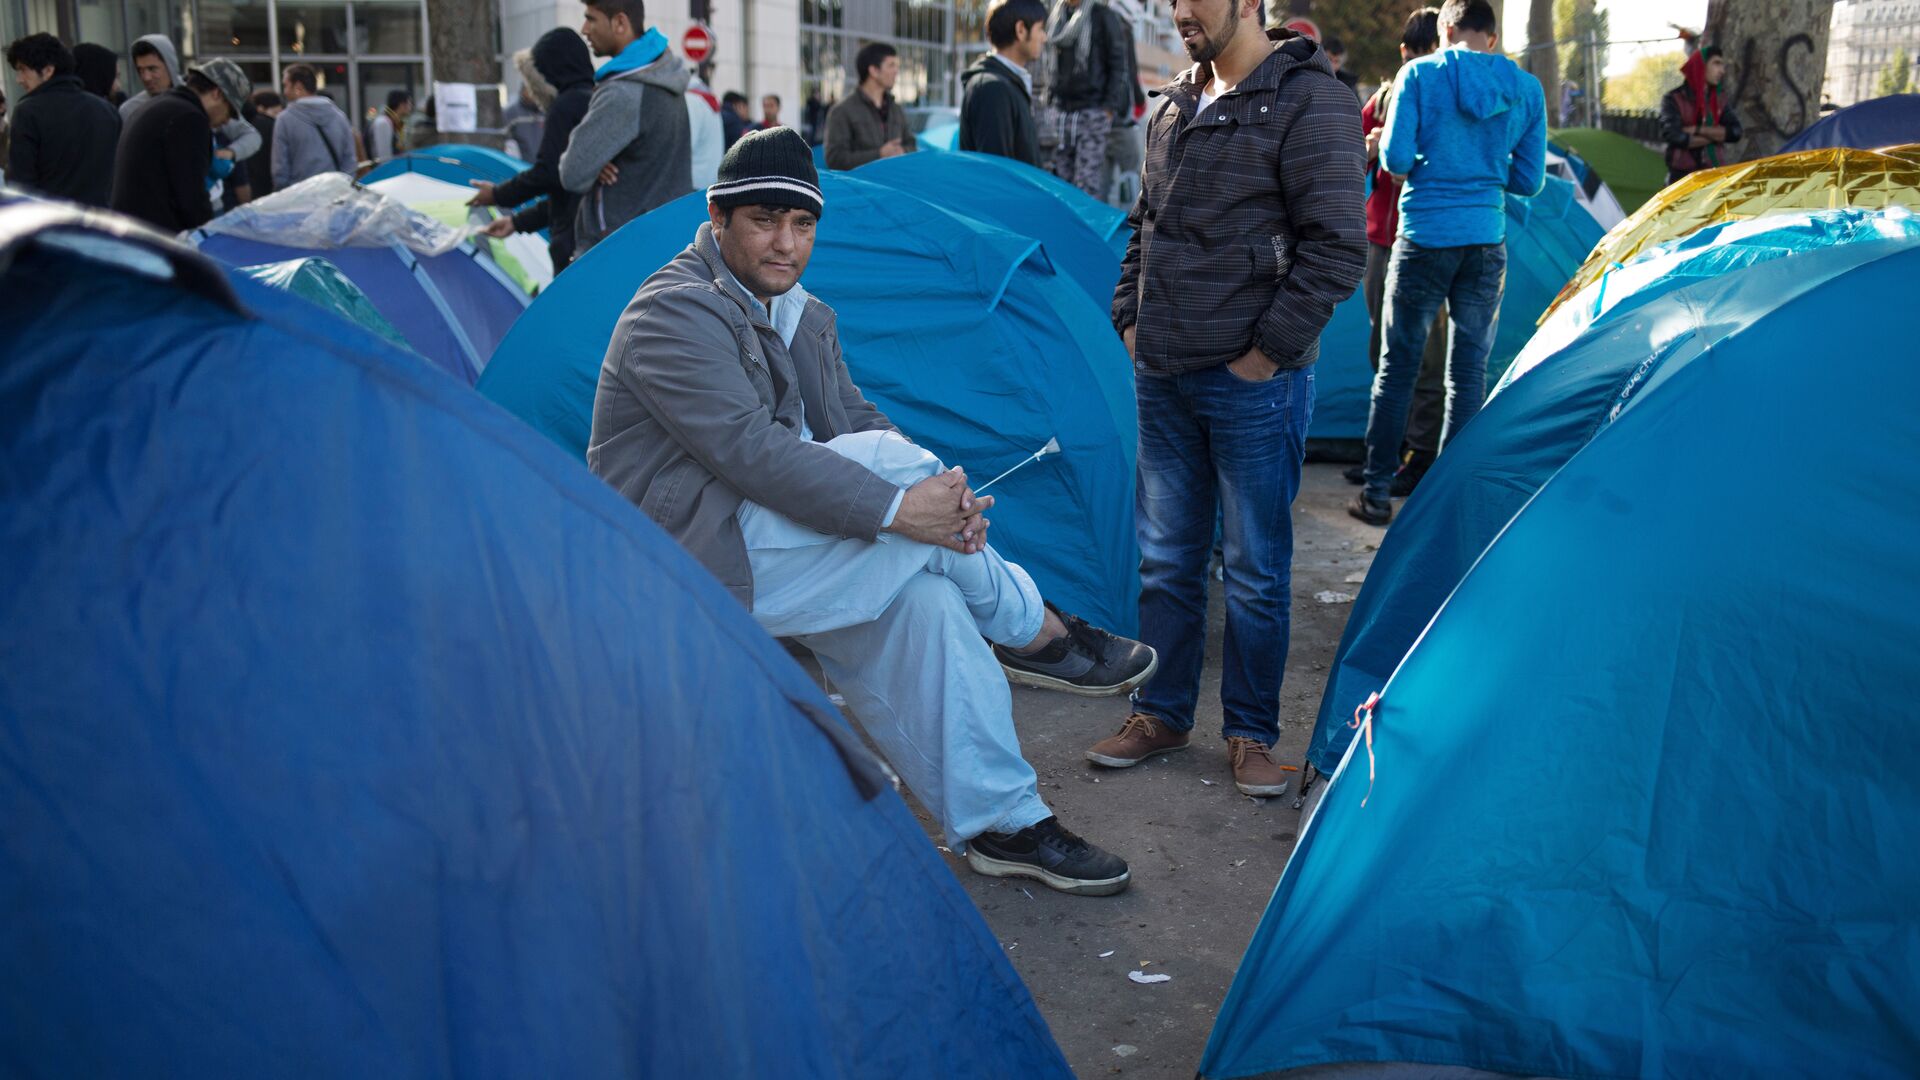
[228,26]
[378,79]
[387,29]
[312,29]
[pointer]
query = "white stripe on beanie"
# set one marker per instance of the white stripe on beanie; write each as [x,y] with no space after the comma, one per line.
[766,183]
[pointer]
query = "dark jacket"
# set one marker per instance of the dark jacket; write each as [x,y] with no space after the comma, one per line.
[260,165]
[1687,108]
[562,59]
[1250,225]
[63,142]
[699,408]
[1100,82]
[733,125]
[996,112]
[636,121]
[856,130]
[160,175]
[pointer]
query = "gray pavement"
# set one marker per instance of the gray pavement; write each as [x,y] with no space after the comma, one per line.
[1204,857]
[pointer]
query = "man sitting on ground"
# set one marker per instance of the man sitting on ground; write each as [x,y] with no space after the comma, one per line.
[725,412]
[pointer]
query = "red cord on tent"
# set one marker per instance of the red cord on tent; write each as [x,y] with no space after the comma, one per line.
[1363,723]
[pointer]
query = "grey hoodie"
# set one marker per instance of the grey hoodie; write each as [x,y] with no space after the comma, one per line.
[638,121]
[311,137]
[240,136]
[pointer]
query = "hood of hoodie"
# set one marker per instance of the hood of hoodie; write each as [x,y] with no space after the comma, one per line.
[1705,95]
[649,61]
[316,110]
[563,60]
[989,66]
[164,44]
[97,67]
[1484,84]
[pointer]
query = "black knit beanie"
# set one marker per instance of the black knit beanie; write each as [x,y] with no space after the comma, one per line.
[768,168]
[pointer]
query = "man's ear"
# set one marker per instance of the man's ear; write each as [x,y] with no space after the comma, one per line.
[716,215]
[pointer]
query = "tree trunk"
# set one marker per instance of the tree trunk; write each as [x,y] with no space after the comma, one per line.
[1776,52]
[1543,59]
[461,44]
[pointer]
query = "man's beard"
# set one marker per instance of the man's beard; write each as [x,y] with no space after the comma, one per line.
[1209,46]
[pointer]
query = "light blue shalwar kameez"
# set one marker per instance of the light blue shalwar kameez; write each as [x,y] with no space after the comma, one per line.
[897,627]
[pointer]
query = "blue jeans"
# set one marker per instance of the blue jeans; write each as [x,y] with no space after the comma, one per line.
[1211,438]
[1470,281]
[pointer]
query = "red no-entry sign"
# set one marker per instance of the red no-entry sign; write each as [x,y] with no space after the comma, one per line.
[1304,26]
[697,43]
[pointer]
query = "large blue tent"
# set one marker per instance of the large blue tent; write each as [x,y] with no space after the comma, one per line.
[1893,120]
[1548,236]
[1639,803]
[351,729]
[1563,388]
[964,334]
[1083,237]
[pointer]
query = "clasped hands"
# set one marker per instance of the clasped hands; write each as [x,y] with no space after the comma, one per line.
[942,510]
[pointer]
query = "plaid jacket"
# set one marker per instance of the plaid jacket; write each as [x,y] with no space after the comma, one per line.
[1251,223]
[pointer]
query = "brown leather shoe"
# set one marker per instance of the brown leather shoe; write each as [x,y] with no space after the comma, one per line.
[1254,770]
[1140,738]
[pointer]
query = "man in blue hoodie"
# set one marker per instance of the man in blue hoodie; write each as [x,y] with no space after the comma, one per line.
[1467,126]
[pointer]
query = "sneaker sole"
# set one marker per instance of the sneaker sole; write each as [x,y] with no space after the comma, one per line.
[992,867]
[1128,763]
[1048,682]
[1264,791]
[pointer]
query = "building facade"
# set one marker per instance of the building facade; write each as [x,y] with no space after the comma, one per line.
[1866,37]
[360,48]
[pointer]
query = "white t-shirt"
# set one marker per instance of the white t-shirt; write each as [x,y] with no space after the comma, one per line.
[1208,97]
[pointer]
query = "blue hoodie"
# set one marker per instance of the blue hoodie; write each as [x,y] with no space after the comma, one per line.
[1465,128]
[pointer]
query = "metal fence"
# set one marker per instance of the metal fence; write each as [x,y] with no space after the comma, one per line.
[1642,125]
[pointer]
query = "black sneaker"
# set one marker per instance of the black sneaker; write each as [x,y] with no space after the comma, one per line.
[1052,856]
[1356,474]
[1087,661]
[1373,513]
[1409,475]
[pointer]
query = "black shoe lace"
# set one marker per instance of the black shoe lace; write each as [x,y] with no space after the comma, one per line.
[1089,637]
[1061,836]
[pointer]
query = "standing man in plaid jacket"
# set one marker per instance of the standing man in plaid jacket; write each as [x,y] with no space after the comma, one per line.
[1249,228]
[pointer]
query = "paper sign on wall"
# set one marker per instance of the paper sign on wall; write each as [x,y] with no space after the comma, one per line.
[456,107]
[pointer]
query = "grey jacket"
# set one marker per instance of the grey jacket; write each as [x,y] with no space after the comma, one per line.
[311,137]
[638,121]
[699,408]
[241,137]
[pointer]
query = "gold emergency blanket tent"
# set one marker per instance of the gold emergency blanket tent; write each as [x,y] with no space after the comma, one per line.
[1827,179]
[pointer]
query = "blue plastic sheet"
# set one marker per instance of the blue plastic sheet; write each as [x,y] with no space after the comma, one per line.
[350,729]
[963,333]
[1642,795]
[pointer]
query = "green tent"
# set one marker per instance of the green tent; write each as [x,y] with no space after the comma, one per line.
[321,283]
[1634,172]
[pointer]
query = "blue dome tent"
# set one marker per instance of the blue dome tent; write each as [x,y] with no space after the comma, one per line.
[1561,391]
[1638,802]
[328,757]
[1886,121]
[1548,236]
[455,163]
[1083,237]
[448,299]
[964,334]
